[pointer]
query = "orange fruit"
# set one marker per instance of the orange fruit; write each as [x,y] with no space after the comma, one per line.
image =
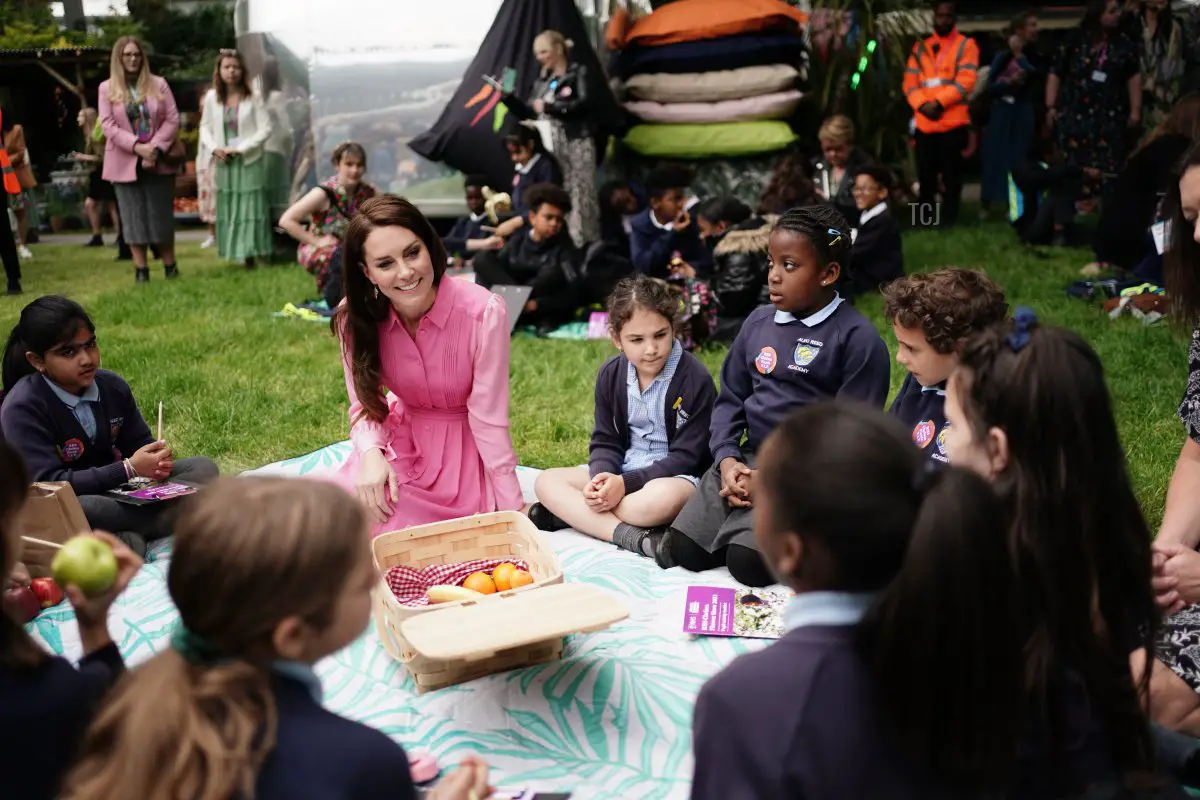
[480,582]
[520,578]
[502,574]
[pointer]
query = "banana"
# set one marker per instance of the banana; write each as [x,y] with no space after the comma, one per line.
[451,594]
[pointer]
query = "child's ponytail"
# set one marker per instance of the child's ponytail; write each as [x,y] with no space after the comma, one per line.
[200,731]
[943,641]
[16,365]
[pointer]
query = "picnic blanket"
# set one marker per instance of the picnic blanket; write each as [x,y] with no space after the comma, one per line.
[611,720]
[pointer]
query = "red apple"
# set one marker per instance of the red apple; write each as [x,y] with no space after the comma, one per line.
[47,591]
[21,604]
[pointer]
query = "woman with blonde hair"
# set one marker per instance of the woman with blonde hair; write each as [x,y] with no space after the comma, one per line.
[100,194]
[269,575]
[835,169]
[140,122]
[234,127]
[560,97]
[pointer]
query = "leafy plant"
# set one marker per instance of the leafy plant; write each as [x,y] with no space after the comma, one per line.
[856,66]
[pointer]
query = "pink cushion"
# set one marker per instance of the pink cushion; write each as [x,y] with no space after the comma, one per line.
[778,105]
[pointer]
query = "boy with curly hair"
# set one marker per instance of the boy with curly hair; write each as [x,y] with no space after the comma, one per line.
[932,316]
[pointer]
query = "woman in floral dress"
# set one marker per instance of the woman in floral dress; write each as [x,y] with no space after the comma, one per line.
[1163,60]
[327,211]
[1094,91]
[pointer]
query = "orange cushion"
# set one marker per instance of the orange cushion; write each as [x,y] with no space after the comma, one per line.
[692,20]
[617,30]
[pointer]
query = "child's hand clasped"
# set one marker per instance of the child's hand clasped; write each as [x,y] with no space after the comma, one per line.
[153,461]
[735,483]
[605,492]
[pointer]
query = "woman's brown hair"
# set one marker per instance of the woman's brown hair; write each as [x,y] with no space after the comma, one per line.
[349,148]
[357,319]
[218,85]
[1184,120]
[118,86]
[249,553]
[18,651]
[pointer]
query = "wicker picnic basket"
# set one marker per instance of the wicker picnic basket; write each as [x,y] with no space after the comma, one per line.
[441,645]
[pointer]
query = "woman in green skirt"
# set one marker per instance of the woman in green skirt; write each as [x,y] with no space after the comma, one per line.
[235,127]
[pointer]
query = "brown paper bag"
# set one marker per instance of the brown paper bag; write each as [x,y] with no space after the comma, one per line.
[52,513]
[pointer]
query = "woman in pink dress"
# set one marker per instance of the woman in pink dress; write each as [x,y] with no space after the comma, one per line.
[426,361]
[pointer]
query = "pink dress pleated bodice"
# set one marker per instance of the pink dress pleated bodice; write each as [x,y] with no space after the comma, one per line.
[446,433]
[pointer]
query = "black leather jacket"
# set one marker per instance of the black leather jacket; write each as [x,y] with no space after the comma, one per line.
[566,98]
[740,267]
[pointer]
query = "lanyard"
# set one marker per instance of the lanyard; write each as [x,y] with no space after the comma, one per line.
[1103,55]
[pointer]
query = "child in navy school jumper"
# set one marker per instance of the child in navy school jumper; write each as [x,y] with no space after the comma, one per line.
[72,421]
[269,576]
[666,230]
[932,317]
[650,444]
[807,346]
[532,165]
[892,562]
[878,252]
[46,703]
[468,236]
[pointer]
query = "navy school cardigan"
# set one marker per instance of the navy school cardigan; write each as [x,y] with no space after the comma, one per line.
[44,713]
[687,412]
[53,443]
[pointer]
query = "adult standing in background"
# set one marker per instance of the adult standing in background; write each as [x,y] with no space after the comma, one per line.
[18,153]
[206,182]
[280,144]
[1094,91]
[1010,127]
[1163,59]
[8,245]
[235,126]
[560,96]
[938,80]
[100,194]
[140,121]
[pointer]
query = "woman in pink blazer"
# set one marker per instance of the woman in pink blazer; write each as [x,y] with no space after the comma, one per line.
[140,121]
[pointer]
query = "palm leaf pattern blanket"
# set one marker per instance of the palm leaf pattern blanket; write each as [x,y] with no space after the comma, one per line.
[612,719]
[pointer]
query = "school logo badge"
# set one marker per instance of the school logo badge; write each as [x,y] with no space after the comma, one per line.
[114,427]
[923,433]
[805,354]
[941,439]
[767,358]
[71,450]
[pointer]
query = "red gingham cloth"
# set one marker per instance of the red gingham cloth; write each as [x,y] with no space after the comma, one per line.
[409,584]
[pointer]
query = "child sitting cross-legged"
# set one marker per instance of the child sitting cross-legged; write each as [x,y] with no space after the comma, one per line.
[649,447]
[46,703]
[807,346]
[269,575]
[932,317]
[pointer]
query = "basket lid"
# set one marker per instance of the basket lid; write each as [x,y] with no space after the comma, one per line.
[479,629]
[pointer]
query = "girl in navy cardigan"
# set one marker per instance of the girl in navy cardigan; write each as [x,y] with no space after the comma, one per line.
[650,443]
[45,702]
[72,421]
[907,640]
[269,576]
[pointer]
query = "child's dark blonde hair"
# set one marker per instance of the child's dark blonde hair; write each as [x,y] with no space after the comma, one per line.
[641,292]
[947,306]
[199,721]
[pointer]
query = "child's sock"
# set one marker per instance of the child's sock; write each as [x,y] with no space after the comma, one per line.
[642,541]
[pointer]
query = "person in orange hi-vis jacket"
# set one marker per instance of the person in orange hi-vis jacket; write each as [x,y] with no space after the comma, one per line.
[938,79]
[8,245]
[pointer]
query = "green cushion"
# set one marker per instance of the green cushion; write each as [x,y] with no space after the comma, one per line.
[714,140]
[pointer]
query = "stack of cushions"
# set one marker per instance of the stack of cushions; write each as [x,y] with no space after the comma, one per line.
[689,111]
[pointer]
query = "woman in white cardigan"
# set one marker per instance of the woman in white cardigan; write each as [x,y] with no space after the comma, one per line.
[234,127]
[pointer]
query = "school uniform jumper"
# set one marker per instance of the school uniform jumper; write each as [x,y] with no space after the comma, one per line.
[877,256]
[465,229]
[44,713]
[446,433]
[923,407]
[776,364]
[652,244]
[791,720]
[542,168]
[323,756]
[84,440]
[661,432]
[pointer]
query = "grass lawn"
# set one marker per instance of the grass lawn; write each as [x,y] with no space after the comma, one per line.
[247,388]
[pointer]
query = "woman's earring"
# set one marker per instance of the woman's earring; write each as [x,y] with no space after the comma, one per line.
[377,291]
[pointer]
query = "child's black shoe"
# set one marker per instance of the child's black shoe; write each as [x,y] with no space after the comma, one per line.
[544,519]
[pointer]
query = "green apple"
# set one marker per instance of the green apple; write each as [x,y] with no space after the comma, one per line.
[88,563]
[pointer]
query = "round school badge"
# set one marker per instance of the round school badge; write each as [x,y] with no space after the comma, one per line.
[941,439]
[923,433]
[805,354]
[72,450]
[766,361]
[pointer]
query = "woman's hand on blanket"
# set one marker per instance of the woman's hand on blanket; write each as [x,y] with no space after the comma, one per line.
[1176,580]
[468,782]
[377,486]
